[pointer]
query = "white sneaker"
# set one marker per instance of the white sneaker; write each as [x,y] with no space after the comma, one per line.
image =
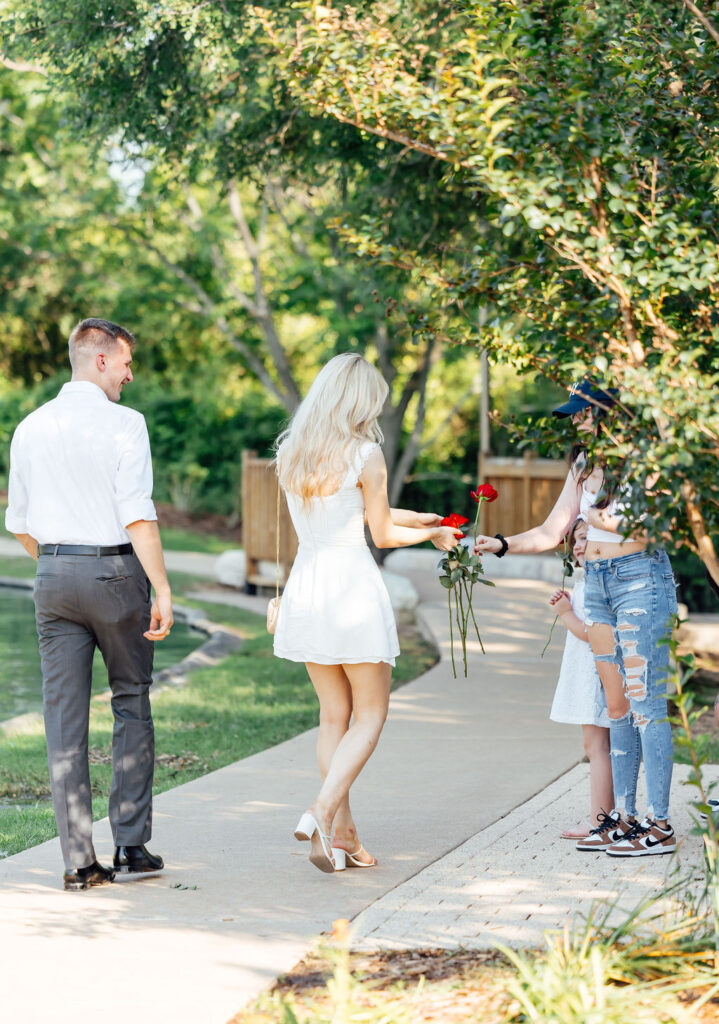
[714,804]
[644,840]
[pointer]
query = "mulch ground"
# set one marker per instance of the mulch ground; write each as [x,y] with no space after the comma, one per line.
[427,986]
[421,986]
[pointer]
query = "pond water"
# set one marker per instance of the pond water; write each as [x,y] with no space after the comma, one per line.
[20,678]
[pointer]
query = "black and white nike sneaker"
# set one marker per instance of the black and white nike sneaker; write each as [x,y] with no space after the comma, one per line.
[644,840]
[611,827]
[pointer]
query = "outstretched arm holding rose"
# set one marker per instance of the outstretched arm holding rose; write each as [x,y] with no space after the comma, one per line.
[544,537]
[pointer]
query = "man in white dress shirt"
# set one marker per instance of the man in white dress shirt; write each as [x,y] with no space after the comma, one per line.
[80,503]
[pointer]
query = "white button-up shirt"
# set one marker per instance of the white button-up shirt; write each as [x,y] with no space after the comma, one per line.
[80,470]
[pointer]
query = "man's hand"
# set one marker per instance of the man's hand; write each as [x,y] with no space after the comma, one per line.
[145,537]
[161,618]
[29,543]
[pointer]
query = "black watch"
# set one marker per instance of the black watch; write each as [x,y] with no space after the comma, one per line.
[505,547]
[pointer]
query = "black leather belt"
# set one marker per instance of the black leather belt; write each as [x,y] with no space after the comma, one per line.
[84,549]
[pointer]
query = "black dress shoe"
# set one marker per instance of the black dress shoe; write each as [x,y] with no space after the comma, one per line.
[136,860]
[77,879]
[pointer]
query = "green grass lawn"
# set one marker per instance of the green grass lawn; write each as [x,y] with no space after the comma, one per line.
[176,539]
[22,567]
[249,702]
[173,539]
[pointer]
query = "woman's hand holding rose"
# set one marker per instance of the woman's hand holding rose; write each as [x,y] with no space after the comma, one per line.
[487,545]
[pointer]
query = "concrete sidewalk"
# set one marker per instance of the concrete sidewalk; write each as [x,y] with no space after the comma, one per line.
[517,879]
[239,902]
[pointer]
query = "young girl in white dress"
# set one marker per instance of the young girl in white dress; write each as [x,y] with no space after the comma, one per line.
[335,614]
[579,697]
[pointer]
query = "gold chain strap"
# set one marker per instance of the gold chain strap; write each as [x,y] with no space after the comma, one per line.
[277,543]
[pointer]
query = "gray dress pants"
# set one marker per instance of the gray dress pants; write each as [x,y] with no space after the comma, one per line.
[83,602]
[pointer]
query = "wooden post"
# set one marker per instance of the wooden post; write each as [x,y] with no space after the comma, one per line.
[527,492]
[251,564]
[259,522]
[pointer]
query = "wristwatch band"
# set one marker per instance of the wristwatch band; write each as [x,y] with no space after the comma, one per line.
[505,547]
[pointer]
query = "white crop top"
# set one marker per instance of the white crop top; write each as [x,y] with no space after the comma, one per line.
[614,508]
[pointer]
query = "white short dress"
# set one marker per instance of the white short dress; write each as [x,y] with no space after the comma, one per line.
[579,697]
[335,608]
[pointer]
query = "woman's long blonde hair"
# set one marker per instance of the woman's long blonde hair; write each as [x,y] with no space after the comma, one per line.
[339,414]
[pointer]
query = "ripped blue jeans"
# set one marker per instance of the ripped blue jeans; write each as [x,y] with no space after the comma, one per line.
[636,595]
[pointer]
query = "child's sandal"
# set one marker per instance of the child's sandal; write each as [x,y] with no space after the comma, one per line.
[578,832]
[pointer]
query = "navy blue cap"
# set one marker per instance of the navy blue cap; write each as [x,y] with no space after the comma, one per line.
[584,394]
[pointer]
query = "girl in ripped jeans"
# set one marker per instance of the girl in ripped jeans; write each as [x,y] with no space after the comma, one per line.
[630,602]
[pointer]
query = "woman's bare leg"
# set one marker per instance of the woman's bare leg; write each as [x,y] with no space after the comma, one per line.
[370,685]
[335,696]
[596,747]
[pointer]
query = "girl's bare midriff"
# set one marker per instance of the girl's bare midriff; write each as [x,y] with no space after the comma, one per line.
[603,549]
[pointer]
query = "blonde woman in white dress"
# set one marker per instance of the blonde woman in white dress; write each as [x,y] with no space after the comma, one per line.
[335,614]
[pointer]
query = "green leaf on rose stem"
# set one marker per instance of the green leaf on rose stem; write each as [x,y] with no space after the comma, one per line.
[446,582]
[456,575]
[487,583]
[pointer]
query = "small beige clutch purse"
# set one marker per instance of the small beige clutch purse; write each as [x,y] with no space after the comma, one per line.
[273,610]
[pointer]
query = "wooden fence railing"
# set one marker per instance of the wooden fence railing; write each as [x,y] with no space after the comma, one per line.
[259,519]
[528,488]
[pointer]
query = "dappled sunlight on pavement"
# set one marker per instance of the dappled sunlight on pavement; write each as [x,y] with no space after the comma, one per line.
[517,878]
[239,902]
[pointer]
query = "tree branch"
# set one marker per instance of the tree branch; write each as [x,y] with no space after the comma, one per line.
[17,65]
[210,308]
[263,314]
[703,19]
[705,547]
[412,447]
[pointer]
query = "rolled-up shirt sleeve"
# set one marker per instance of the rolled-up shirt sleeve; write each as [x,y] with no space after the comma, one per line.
[133,482]
[16,514]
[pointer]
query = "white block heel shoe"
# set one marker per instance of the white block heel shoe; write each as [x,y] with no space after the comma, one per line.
[351,860]
[321,852]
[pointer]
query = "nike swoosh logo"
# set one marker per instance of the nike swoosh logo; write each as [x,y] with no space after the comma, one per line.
[655,842]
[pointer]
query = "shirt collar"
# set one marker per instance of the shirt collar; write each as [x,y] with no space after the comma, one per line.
[83,387]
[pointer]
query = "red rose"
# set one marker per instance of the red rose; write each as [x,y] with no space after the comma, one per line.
[454,520]
[485,491]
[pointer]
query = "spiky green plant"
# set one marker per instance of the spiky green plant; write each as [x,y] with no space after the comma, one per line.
[684,701]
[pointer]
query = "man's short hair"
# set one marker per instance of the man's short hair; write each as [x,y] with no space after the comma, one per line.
[94,334]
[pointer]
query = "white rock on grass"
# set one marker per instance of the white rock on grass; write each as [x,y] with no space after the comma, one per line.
[230,568]
[402,594]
